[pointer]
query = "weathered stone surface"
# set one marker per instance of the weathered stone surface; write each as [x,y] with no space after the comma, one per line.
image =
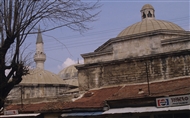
[32,94]
[154,42]
[149,56]
[135,70]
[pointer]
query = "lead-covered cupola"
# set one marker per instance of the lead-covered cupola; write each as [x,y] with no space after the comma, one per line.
[147,12]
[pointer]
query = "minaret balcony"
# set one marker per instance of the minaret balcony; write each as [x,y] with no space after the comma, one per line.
[40,57]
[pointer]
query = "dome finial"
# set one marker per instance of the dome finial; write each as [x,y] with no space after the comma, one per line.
[147,12]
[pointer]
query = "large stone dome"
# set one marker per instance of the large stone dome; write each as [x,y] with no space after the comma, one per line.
[149,23]
[41,77]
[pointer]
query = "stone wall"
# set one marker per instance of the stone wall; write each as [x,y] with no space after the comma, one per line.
[135,70]
[136,46]
[36,93]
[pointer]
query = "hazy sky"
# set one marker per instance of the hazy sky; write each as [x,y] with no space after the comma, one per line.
[115,16]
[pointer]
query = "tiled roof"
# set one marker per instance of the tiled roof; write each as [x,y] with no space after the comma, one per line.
[96,98]
[91,99]
[157,89]
[42,107]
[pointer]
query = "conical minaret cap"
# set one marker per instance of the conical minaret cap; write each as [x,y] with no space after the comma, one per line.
[39,36]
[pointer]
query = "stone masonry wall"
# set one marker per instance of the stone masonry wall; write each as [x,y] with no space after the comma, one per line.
[134,71]
[34,92]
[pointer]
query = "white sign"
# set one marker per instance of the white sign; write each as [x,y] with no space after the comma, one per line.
[173,101]
[11,112]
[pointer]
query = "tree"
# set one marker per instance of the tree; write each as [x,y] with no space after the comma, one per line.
[18,19]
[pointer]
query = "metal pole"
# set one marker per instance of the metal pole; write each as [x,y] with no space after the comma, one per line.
[21,97]
[147,78]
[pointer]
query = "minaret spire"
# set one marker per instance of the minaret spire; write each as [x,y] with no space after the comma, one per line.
[39,36]
[39,56]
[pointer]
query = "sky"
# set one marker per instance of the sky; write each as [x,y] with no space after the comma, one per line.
[63,47]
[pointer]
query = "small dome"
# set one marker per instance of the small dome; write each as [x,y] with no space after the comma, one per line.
[69,72]
[147,6]
[40,76]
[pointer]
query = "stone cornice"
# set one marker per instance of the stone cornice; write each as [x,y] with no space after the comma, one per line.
[92,54]
[176,40]
[45,85]
[141,58]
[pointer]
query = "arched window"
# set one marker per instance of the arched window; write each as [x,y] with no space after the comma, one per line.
[149,14]
[144,16]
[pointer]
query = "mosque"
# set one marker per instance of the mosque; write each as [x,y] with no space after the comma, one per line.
[141,73]
[41,85]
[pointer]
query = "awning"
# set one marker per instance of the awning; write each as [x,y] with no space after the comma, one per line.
[20,115]
[81,114]
[145,109]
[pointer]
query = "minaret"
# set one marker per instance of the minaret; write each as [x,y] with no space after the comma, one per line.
[39,56]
